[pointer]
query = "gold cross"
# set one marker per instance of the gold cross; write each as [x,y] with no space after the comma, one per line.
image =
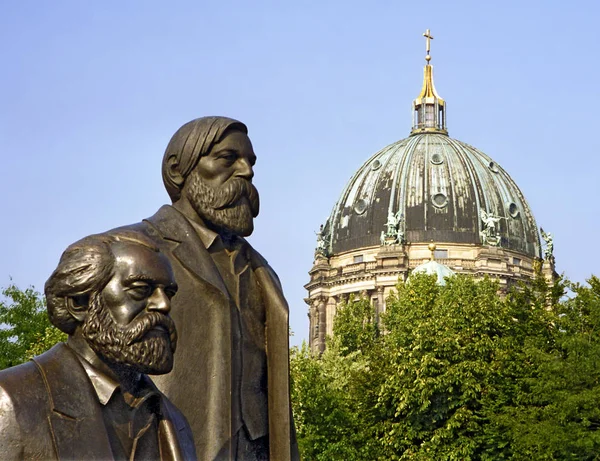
[429,37]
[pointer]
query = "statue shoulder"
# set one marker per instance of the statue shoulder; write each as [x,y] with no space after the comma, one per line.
[22,397]
[156,225]
[10,432]
[141,227]
[20,379]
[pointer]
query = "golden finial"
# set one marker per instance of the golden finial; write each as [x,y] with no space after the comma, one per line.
[432,248]
[428,37]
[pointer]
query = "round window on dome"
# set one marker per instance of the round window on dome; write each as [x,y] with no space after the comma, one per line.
[437,159]
[439,200]
[513,210]
[360,206]
[376,165]
[492,166]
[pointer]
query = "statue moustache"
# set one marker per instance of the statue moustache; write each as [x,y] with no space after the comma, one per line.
[131,345]
[230,207]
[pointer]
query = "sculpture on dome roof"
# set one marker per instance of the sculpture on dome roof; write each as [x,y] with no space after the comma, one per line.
[549,241]
[395,229]
[321,248]
[400,229]
[392,222]
[488,234]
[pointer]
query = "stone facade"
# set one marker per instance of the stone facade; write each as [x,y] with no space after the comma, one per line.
[374,272]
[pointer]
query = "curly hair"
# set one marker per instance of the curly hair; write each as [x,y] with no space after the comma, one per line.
[84,270]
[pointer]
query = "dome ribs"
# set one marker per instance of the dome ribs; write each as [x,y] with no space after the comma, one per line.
[440,185]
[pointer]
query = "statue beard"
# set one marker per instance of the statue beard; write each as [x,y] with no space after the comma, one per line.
[229,208]
[137,345]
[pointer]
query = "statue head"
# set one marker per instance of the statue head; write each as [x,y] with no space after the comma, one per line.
[115,291]
[208,164]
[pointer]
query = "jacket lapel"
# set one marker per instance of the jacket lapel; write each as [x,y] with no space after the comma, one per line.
[176,231]
[76,416]
[175,441]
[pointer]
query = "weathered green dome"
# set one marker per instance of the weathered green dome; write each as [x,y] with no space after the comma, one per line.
[440,187]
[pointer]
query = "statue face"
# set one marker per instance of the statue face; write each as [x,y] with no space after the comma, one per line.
[220,186]
[128,321]
[233,156]
[143,281]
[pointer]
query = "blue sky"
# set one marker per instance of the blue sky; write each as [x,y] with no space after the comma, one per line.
[91,92]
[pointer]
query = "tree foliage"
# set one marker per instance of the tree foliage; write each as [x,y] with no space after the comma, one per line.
[559,415]
[458,372]
[25,329]
[326,409]
[44,341]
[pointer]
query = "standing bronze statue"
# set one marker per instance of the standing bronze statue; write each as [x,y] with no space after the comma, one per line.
[231,374]
[90,399]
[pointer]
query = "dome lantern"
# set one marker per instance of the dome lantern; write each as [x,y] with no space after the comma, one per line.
[429,109]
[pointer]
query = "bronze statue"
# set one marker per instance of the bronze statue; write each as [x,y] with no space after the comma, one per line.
[231,374]
[90,398]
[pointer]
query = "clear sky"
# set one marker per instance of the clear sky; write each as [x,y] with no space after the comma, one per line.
[91,92]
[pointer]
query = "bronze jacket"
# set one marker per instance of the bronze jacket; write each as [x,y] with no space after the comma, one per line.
[201,381]
[50,411]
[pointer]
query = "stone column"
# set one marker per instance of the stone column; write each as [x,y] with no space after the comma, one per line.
[314,325]
[320,307]
[380,301]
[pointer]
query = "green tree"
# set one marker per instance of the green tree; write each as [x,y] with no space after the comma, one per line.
[558,415]
[329,414]
[45,341]
[458,372]
[25,327]
[354,327]
[446,355]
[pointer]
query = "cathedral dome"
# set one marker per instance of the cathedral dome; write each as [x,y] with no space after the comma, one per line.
[440,188]
[431,188]
[427,203]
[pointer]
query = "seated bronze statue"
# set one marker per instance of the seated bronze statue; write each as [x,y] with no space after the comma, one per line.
[90,398]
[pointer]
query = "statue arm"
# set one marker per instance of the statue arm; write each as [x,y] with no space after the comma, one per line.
[11,445]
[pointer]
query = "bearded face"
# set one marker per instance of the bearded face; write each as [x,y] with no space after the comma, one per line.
[230,207]
[146,344]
